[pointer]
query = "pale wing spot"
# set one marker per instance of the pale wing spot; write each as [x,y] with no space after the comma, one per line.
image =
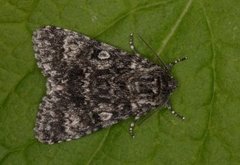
[105,116]
[103,55]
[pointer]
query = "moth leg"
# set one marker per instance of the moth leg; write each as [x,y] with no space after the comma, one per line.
[169,107]
[132,126]
[171,64]
[131,44]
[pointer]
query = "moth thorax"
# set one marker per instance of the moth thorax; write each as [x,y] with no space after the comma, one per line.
[145,84]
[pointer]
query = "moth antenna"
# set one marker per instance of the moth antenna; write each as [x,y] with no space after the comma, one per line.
[161,61]
[171,64]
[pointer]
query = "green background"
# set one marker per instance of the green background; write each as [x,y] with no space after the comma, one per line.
[207,31]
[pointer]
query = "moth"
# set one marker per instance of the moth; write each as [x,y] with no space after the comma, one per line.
[92,85]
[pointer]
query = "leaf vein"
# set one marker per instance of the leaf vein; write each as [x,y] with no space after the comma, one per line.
[175,27]
[99,147]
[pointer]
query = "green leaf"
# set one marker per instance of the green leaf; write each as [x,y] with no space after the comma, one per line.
[207,31]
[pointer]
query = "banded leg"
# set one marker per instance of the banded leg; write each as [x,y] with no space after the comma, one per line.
[131,43]
[132,126]
[171,64]
[169,107]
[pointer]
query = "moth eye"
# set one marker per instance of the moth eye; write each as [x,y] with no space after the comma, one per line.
[103,55]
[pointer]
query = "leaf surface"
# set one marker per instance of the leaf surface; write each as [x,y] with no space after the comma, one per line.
[207,31]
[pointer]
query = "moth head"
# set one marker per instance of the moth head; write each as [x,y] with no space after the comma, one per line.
[167,83]
[171,84]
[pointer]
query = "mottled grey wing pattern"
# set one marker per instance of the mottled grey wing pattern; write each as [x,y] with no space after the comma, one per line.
[91,85]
